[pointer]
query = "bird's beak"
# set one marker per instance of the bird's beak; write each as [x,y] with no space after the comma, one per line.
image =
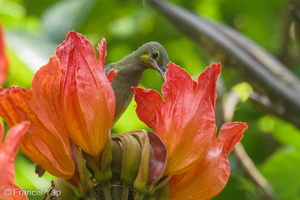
[161,69]
[162,72]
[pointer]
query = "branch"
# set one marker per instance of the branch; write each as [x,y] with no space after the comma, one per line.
[263,103]
[250,168]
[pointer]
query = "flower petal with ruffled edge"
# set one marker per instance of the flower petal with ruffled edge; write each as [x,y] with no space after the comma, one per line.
[184,119]
[208,178]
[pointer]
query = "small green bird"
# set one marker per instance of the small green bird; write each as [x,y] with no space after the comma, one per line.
[151,55]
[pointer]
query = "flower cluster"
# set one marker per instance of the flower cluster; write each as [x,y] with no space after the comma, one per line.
[69,111]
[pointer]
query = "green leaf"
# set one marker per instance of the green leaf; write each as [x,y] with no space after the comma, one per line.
[282,171]
[283,132]
[286,133]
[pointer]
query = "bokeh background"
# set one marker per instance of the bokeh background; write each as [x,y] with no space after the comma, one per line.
[33,29]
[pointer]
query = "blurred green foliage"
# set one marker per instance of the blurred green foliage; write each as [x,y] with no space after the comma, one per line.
[34,28]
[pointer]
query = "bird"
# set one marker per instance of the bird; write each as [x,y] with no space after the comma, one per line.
[130,69]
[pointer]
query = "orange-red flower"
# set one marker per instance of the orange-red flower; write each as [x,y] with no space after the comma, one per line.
[70,97]
[3,58]
[8,150]
[185,121]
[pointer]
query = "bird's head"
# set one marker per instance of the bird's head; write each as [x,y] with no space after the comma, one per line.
[153,55]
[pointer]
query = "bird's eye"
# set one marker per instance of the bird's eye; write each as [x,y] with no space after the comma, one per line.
[155,55]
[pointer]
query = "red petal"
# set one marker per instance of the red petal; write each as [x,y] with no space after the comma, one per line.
[3,58]
[179,83]
[146,111]
[207,83]
[8,152]
[46,90]
[111,75]
[102,53]
[209,177]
